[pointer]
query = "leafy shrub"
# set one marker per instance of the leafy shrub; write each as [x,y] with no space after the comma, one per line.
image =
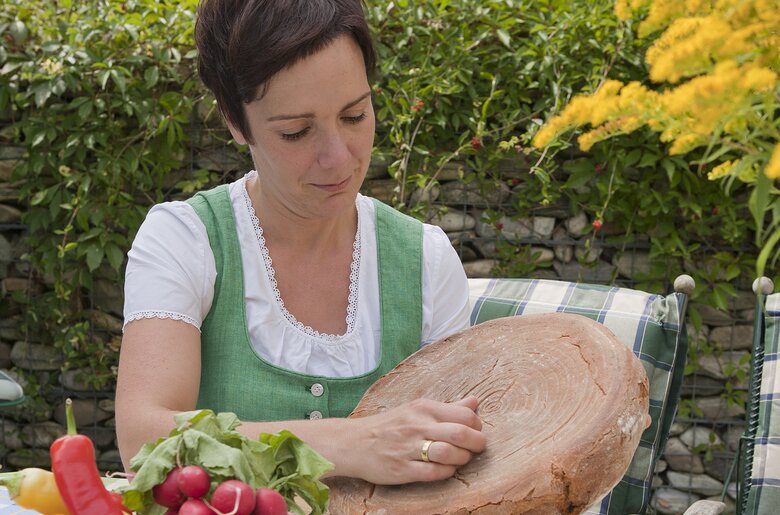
[100,94]
[103,97]
[722,116]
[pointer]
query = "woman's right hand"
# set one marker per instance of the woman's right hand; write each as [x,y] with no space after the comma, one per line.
[387,448]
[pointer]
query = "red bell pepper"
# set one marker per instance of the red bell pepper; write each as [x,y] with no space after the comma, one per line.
[77,476]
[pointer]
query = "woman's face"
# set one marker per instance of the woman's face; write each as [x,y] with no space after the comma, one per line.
[314,132]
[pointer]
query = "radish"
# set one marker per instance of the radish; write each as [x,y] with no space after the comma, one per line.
[269,502]
[167,493]
[195,507]
[194,481]
[233,496]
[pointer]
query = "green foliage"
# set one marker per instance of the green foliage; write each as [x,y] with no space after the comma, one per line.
[516,260]
[472,81]
[709,448]
[100,94]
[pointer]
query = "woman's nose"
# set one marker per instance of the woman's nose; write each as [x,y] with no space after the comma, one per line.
[334,150]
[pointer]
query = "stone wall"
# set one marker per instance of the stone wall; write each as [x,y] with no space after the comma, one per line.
[561,243]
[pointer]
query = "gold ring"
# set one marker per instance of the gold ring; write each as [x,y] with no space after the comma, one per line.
[424,451]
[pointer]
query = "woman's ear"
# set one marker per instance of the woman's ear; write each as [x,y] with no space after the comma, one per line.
[240,139]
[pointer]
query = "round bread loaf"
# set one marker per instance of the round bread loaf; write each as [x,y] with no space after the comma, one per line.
[563,406]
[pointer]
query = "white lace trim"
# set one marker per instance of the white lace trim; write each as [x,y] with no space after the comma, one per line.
[160,314]
[353,276]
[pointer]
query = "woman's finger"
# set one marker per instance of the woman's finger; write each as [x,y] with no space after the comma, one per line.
[457,435]
[431,471]
[459,412]
[470,402]
[446,454]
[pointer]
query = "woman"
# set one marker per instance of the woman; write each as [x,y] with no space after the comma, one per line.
[284,295]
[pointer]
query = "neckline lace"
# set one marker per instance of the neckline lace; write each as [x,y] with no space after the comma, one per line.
[271,274]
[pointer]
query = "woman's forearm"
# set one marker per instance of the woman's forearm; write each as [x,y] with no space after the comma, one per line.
[384,448]
[329,437]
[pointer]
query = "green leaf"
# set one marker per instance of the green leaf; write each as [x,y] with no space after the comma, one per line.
[18,31]
[115,256]
[648,159]
[10,67]
[170,100]
[119,80]
[39,197]
[103,78]
[669,166]
[580,178]
[766,251]
[759,202]
[633,157]
[201,437]
[171,133]
[42,92]
[504,37]
[151,75]
[37,139]
[94,257]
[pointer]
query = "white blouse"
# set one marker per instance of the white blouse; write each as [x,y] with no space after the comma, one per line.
[171,273]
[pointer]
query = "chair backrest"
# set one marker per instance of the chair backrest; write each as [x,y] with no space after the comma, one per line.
[761,447]
[651,325]
[11,393]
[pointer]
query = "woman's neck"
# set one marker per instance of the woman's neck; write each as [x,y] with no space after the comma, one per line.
[284,227]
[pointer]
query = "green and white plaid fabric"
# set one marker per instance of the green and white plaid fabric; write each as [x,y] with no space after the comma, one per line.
[764,493]
[650,325]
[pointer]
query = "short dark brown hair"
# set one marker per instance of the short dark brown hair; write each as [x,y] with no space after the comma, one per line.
[243,43]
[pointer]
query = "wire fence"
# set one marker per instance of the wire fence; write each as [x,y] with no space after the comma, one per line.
[703,445]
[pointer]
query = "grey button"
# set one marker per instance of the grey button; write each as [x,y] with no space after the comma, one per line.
[317,390]
[315,415]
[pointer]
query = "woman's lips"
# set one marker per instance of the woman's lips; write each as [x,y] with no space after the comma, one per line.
[334,188]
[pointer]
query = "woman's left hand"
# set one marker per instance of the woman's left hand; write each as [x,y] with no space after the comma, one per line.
[423,440]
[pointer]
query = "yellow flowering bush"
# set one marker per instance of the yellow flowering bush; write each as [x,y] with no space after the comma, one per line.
[716,91]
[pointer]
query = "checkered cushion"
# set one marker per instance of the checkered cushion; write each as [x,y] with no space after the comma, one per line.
[650,325]
[764,493]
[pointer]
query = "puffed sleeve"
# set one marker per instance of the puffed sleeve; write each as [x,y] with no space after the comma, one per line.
[445,287]
[170,268]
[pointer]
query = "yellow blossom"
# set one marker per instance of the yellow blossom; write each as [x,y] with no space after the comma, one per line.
[662,12]
[51,67]
[578,112]
[721,170]
[670,133]
[622,10]
[686,143]
[697,6]
[772,169]
[625,8]
[704,104]
[686,48]
[546,135]
[620,125]
[736,126]
[767,10]
[720,47]
[743,40]
[720,61]
[759,79]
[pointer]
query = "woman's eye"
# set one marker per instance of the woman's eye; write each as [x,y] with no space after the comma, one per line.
[295,135]
[355,119]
